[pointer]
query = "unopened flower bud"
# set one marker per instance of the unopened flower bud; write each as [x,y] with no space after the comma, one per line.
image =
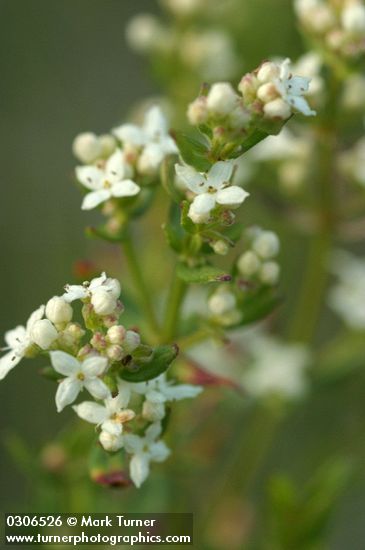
[198,111]
[153,411]
[86,147]
[98,341]
[58,310]
[269,273]
[43,333]
[248,87]
[248,264]
[103,301]
[267,92]
[277,108]
[131,341]
[221,99]
[143,32]
[353,18]
[116,334]
[110,442]
[107,145]
[266,244]
[221,302]
[268,72]
[220,247]
[115,352]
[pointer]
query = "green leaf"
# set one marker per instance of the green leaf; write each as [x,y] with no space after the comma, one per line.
[202,274]
[160,361]
[101,233]
[167,179]
[250,141]
[186,222]
[193,151]
[258,304]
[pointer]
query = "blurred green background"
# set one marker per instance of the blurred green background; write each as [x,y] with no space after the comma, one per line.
[65,68]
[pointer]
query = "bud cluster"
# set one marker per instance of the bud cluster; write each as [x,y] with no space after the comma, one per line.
[258,263]
[338,25]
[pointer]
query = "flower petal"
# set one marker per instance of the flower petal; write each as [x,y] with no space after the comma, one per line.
[94,366]
[201,207]
[35,316]
[153,431]
[97,388]
[155,123]
[67,392]
[125,188]
[133,443]
[7,363]
[159,451]
[93,199]
[116,167]
[231,196]
[15,336]
[139,468]
[220,173]
[131,134]
[112,427]
[74,292]
[90,177]
[64,363]
[194,180]
[91,412]
[181,391]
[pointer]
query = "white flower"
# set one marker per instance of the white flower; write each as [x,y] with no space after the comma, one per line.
[43,333]
[145,450]
[353,18]
[58,310]
[88,147]
[17,341]
[78,375]
[112,181]
[111,415]
[211,189]
[221,99]
[290,90]
[276,368]
[103,292]
[152,138]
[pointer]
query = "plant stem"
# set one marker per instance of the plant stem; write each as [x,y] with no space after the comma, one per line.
[176,295]
[140,284]
[316,273]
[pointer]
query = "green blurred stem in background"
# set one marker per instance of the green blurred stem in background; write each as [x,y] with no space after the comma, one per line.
[175,298]
[310,301]
[140,285]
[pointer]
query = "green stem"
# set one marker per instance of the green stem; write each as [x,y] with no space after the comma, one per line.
[140,285]
[316,273]
[174,301]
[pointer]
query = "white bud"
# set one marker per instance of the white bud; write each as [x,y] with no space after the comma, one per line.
[58,310]
[198,111]
[116,334]
[86,147]
[143,32]
[149,162]
[269,273]
[248,87]
[222,302]
[248,264]
[115,352]
[43,333]
[267,92]
[268,72]
[111,442]
[266,244]
[153,411]
[221,99]
[114,287]
[353,18]
[220,247]
[277,108]
[131,341]
[239,117]
[104,302]
[107,145]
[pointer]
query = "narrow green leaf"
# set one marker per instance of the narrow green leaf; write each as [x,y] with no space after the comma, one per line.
[194,152]
[160,361]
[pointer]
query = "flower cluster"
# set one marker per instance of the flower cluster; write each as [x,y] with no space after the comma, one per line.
[338,25]
[101,359]
[115,163]
[258,263]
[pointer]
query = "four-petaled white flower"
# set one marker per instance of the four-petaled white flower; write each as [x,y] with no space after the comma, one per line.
[108,182]
[211,189]
[152,138]
[145,450]
[18,340]
[103,292]
[111,415]
[78,375]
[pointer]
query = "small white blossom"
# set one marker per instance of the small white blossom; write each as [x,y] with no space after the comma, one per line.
[110,416]
[78,375]
[17,342]
[103,292]
[145,450]
[152,138]
[211,189]
[221,99]
[106,183]
[58,310]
